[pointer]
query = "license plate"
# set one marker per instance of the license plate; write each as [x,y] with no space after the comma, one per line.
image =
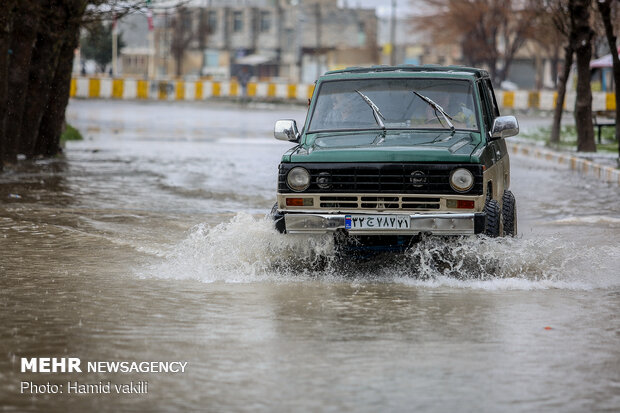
[377,222]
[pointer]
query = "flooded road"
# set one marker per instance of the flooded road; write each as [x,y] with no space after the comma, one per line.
[148,242]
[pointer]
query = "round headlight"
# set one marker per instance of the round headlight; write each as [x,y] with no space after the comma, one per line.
[461,180]
[298,179]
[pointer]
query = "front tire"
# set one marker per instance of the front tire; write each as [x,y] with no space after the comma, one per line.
[492,224]
[509,212]
[278,219]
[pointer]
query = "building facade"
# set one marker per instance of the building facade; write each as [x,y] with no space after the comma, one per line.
[289,39]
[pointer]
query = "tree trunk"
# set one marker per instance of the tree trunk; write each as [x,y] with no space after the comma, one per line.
[50,129]
[178,62]
[555,61]
[580,16]
[604,8]
[23,36]
[559,104]
[203,31]
[42,67]
[5,41]
[538,78]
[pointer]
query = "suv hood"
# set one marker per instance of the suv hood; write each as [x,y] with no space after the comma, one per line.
[387,146]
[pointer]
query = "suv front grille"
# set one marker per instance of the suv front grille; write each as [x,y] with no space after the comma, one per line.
[399,178]
[378,203]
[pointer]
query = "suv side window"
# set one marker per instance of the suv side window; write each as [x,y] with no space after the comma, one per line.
[491,97]
[486,115]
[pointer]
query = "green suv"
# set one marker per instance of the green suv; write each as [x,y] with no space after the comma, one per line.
[390,153]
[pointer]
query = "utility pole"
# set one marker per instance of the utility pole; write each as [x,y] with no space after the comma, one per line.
[317,14]
[114,47]
[300,20]
[166,42]
[279,19]
[150,72]
[393,35]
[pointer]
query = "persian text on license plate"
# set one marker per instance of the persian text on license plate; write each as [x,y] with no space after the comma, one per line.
[377,222]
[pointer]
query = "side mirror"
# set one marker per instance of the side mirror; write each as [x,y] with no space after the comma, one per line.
[286,130]
[504,126]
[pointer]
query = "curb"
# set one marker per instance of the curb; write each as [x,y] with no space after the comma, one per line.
[574,163]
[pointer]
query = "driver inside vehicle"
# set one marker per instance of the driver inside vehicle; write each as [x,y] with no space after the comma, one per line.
[342,110]
[461,113]
[454,104]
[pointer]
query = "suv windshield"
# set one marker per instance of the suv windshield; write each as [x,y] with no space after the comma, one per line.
[341,105]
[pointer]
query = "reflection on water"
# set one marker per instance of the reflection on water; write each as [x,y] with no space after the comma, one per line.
[145,244]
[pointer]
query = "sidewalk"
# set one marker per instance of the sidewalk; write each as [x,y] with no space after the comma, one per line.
[599,166]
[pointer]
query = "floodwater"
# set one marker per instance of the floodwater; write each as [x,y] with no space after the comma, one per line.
[148,242]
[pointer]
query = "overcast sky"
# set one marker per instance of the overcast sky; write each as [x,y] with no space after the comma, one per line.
[383,7]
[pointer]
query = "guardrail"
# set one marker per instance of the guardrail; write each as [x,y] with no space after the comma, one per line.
[109,88]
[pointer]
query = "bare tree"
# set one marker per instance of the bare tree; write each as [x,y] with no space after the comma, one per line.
[5,42]
[605,9]
[46,136]
[581,36]
[37,43]
[109,10]
[182,36]
[203,31]
[490,32]
[556,25]
[550,33]
[23,38]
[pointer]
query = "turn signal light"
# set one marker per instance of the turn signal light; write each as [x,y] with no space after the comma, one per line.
[299,202]
[460,203]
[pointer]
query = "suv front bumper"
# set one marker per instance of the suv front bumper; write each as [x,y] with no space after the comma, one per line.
[437,224]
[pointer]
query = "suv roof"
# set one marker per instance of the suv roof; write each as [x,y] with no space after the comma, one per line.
[479,73]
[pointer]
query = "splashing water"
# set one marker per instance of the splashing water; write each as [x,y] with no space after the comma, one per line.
[243,250]
[249,249]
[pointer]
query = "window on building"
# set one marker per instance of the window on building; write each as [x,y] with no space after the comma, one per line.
[238,21]
[289,36]
[212,20]
[265,21]
[361,34]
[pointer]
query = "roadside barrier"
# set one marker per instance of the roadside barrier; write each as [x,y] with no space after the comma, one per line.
[128,89]
[574,163]
[546,99]
[121,88]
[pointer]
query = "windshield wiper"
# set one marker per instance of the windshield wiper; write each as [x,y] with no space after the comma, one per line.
[375,110]
[437,109]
